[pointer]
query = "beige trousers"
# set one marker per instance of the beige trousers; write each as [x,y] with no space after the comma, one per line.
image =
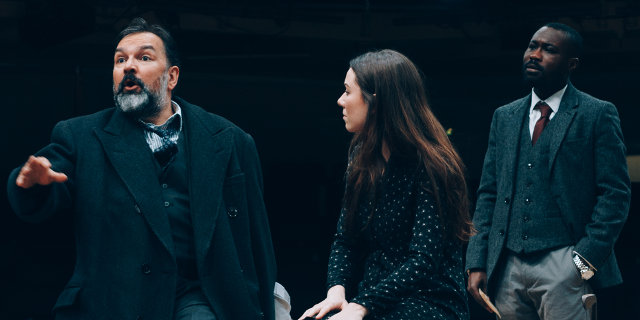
[541,285]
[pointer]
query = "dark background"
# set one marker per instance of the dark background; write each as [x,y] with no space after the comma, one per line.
[276,69]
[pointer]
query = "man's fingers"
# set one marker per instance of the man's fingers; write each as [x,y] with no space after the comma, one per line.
[477,280]
[26,168]
[57,176]
[21,181]
[37,170]
[44,162]
[482,302]
[35,163]
[476,295]
[31,159]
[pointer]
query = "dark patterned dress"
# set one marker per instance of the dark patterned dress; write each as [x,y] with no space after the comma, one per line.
[411,272]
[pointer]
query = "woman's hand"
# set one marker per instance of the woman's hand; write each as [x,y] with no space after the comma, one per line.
[335,300]
[353,311]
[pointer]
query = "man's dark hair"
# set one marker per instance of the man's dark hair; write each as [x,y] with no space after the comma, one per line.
[575,39]
[139,25]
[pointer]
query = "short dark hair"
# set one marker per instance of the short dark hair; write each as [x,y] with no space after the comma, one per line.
[139,25]
[575,39]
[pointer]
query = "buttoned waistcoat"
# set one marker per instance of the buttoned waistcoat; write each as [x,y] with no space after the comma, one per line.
[125,266]
[587,176]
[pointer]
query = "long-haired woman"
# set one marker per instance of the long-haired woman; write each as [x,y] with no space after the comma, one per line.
[405,210]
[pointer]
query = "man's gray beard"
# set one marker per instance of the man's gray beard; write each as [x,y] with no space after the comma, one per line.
[144,104]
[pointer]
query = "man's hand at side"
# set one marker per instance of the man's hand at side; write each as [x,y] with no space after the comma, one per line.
[37,170]
[478,280]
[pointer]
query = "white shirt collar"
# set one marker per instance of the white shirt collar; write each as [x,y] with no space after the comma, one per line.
[553,101]
[177,115]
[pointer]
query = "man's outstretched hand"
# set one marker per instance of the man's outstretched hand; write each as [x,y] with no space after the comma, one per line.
[37,170]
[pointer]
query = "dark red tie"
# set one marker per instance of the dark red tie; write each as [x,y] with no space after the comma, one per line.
[542,122]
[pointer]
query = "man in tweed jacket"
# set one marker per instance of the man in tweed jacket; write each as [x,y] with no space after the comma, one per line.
[554,192]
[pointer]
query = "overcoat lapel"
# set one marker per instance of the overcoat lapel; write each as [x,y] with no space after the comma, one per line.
[209,152]
[512,137]
[124,143]
[566,112]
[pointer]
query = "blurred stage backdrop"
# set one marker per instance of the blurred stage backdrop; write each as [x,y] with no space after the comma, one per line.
[276,68]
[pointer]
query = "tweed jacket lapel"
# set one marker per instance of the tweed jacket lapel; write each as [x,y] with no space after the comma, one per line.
[512,137]
[566,112]
[209,152]
[124,143]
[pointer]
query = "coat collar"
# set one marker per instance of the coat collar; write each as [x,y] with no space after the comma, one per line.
[568,107]
[209,147]
[126,148]
[512,134]
[519,114]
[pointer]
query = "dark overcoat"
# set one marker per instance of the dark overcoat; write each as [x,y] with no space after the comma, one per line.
[126,266]
[588,177]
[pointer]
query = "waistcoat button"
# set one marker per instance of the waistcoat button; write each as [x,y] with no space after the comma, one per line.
[232,212]
[137,209]
[146,268]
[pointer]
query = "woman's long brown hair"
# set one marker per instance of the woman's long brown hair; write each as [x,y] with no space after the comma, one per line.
[399,114]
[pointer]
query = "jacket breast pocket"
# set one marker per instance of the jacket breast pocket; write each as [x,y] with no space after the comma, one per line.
[580,142]
[575,153]
[233,180]
[67,299]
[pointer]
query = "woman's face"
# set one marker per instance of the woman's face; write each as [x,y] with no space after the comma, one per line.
[354,110]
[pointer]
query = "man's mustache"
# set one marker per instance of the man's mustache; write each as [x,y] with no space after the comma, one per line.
[534,65]
[130,78]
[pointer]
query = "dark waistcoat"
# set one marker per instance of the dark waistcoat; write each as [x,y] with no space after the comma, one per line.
[174,182]
[535,222]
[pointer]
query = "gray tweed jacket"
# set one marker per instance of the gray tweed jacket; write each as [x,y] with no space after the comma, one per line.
[587,173]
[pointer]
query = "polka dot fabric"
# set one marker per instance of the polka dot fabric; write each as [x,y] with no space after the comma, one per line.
[411,271]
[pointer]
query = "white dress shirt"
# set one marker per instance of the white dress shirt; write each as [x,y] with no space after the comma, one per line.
[553,101]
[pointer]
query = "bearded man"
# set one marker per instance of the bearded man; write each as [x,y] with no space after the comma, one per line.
[167,200]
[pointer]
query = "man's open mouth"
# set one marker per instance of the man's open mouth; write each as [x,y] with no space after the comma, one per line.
[130,84]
